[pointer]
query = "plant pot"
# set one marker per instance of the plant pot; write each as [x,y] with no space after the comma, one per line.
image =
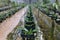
[0,21]
[22,35]
[58,21]
[33,27]
[47,14]
[28,25]
[23,38]
[28,28]
[30,36]
[27,35]
[29,22]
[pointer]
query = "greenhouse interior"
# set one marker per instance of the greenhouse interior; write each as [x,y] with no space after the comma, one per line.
[29,19]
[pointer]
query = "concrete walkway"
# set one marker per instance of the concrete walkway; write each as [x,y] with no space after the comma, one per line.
[9,24]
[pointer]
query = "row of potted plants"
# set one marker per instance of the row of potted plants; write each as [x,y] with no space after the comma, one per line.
[9,14]
[51,14]
[50,10]
[5,8]
[30,19]
[30,26]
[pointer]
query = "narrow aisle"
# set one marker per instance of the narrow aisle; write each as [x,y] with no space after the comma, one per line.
[39,32]
[9,24]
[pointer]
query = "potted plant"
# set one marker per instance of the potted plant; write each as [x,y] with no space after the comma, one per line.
[57,20]
[29,33]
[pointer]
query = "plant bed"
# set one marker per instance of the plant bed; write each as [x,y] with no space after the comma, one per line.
[29,25]
[7,15]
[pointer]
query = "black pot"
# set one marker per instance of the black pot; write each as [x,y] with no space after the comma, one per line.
[31,27]
[9,14]
[29,22]
[28,28]
[27,36]
[22,35]
[58,21]
[23,38]
[0,21]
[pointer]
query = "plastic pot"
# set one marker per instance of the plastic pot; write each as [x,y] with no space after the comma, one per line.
[29,23]
[31,27]
[57,21]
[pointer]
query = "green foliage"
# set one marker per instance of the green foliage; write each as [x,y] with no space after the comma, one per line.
[50,10]
[4,3]
[8,14]
[11,12]
[29,20]
[28,32]
[29,24]
[14,4]
[46,1]
[55,6]
[22,5]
